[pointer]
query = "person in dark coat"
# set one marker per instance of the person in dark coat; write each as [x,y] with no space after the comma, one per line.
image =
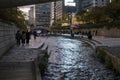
[23,36]
[89,35]
[27,37]
[35,34]
[18,37]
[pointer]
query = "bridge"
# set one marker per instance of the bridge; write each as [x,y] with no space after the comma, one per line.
[44,28]
[16,3]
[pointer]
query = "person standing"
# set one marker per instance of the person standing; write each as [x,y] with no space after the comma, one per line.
[89,35]
[18,37]
[23,38]
[35,34]
[27,37]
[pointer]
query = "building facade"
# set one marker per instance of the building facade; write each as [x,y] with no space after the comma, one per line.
[31,17]
[42,15]
[56,11]
[87,4]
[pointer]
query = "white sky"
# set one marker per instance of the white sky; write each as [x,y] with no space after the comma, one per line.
[25,9]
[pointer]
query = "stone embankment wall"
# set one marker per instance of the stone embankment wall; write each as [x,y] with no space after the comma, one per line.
[113,32]
[111,61]
[7,37]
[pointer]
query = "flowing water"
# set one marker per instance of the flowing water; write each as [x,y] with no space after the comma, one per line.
[71,59]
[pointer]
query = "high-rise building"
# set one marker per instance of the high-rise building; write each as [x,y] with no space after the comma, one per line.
[59,10]
[42,15]
[52,19]
[31,17]
[56,11]
[87,4]
[79,5]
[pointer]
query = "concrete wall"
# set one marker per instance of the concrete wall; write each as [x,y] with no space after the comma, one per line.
[110,59]
[113,32]
[7,37]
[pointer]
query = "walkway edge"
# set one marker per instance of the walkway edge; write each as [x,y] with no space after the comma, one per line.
[37,70]
[108,59]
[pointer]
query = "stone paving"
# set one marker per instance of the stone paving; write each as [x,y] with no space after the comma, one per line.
[113,44]
[16,71]
[107,41]
[27,53]
[23,53]
[17,63]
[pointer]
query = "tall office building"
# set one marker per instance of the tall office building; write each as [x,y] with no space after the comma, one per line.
[87,4]
[42,15]
[79,5]
[56,11]
[31,15]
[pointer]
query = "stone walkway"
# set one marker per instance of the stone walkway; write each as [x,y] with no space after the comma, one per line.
[107,41]
[24,53]
[113,44]
[16,71]
[18,63]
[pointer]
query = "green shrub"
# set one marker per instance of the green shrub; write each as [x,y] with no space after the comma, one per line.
[43,63]
[108,62]
[101,55]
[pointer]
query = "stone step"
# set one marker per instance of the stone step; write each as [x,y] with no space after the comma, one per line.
[44,47]
[16,71]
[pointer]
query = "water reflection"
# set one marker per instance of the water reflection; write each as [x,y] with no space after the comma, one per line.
[70,60]
[65,62]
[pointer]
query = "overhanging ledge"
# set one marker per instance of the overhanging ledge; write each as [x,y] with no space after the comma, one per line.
[16,3]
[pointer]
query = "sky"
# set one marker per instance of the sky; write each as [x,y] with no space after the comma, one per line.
[25,9]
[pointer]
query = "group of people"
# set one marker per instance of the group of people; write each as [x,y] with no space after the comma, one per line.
[22,37]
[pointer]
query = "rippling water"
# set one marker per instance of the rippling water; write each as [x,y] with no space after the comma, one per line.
[70,60]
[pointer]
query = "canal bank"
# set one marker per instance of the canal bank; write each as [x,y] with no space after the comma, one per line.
[24,62]
[110,56]
[71,60]
[107,49]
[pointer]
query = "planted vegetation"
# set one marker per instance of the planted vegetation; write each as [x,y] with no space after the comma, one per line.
[108,59]
[43,62]
[13,15]
[98,17]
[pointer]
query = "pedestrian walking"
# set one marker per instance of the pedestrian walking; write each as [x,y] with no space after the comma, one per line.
[35,34]
[23,38]
[96,33]
[18,37]
[89,35]
[27,37]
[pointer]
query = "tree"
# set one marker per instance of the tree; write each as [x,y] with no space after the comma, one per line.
[113,10]
[79,15]
[13,15]
[98,14]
